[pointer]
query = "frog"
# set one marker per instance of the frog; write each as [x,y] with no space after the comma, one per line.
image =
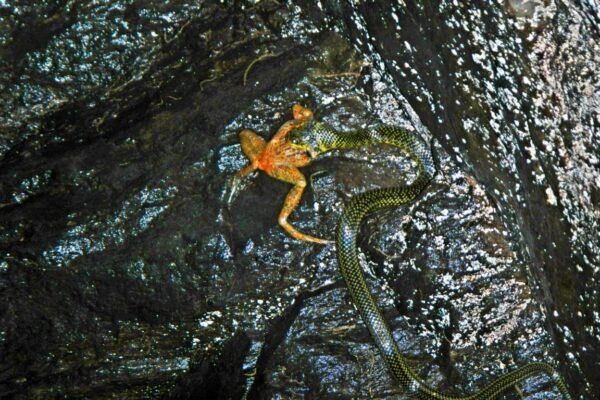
[281,159]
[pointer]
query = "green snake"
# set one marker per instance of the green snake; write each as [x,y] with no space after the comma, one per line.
[316,138]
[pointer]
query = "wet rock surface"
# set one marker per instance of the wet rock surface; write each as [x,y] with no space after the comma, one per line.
[129,268]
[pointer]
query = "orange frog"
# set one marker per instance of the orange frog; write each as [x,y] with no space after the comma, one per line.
[281,160]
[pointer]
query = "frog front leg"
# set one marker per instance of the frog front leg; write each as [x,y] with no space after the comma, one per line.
[294,176]
[300,113]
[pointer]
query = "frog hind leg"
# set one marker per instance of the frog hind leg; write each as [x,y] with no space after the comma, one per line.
[252,146]
[294,176]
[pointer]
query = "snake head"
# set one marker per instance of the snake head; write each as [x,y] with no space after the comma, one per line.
[304,138]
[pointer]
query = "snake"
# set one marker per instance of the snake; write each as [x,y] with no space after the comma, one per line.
[316,138]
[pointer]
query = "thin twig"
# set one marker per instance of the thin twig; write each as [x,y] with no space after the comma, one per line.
[257,59]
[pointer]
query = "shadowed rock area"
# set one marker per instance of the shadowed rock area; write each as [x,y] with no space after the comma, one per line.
[130,267]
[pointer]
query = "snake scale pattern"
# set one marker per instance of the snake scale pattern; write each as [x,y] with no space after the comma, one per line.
[317,138]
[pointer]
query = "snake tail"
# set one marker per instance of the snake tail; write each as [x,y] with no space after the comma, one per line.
[348,260]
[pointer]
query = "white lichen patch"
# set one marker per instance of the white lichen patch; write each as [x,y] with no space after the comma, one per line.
[550,197]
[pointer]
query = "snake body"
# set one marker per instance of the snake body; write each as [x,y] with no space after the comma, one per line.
[316,138]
